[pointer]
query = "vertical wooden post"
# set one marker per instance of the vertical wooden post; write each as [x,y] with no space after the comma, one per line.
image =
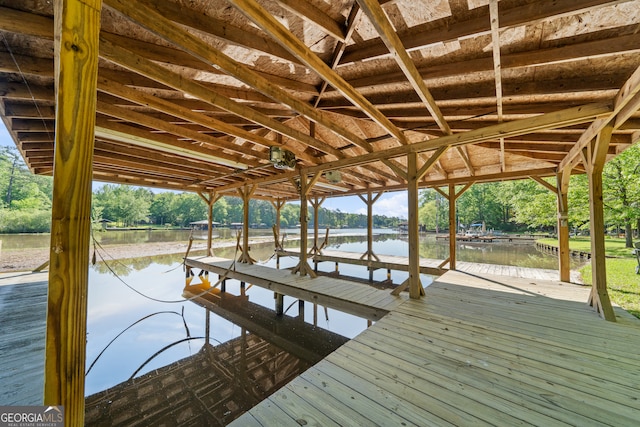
[415,284]
[305,187]
[562,185]
[316,202]
[210,199]
[304,225]
[594,158]
[245,193]
[453,226]
[277,205]
[77,27]
[369,201]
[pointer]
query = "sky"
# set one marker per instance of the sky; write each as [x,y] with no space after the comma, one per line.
[389,204]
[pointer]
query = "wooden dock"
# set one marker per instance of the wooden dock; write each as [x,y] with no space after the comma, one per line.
[354,298]
[23,316]
[474,351]
[388,262]
[431,266]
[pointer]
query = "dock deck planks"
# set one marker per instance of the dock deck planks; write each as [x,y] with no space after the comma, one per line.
[339,294]
[23,308]
[430,266]
[475,351]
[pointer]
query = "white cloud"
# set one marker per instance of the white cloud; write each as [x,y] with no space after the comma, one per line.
[392,204]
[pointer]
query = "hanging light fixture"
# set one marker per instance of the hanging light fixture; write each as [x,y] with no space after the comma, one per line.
[282,158]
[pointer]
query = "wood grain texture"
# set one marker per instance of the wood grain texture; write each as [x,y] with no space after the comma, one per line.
[77,27]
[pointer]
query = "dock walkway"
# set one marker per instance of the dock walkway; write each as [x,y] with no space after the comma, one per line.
[431,266]
[23,317]
[354,298]
[473,351]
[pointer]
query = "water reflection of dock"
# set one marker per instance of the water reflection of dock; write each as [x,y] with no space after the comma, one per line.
[303,340]
[212,387]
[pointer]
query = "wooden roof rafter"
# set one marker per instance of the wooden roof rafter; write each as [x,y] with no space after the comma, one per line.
[199,79]
[167,30]
[271,26]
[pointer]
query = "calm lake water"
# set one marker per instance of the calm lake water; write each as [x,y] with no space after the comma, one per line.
[147,348]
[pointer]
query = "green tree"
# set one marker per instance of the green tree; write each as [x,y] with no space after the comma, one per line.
[621,190]
[189,207]
[124,204]
[220,210]
[533,204]
[481,203]
[162,209]
[433,212]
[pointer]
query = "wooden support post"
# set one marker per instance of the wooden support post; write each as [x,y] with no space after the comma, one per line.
[564,268]
[245,193]
[77,27]
[594,157]
[316,203]
[415,284]
[369,201]
[279,303]
[560,190]
[223,284]
[452,197]
[306,185]
[315,314]
[301,309]
[453,227]
[210,199]
[277,204]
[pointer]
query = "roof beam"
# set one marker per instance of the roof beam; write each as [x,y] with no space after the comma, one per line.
[171,108]
[390,38]
[282,35]
[218,28]
[156,72]
[495,38]
[562,118]
[627,95]
[447,29]
[553,120]
[169,31]
[354,14]
[42,26]
[315,16]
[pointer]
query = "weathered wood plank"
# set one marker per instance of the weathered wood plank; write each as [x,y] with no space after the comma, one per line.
[373,387]
[457,400]
[518,353]
[541,402]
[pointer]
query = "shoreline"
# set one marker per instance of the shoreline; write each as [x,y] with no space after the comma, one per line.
[30,259]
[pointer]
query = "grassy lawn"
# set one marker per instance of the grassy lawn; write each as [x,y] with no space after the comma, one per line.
[622,281]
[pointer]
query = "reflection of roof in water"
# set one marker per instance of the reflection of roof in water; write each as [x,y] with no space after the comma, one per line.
[212,387]
[304,340]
